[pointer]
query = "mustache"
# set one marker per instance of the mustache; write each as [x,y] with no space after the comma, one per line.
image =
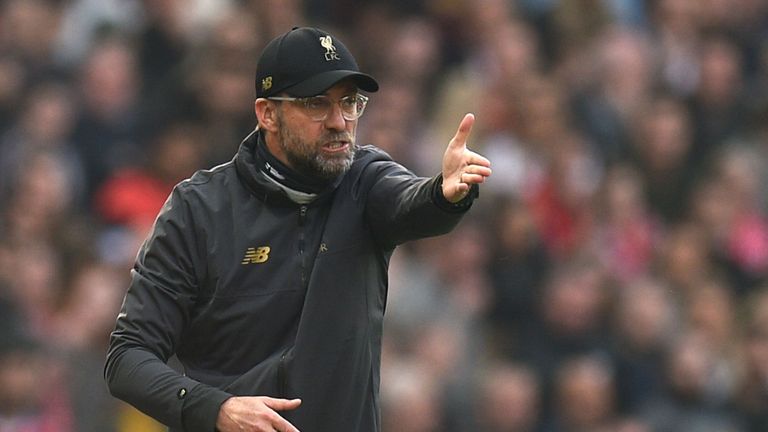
[337,136]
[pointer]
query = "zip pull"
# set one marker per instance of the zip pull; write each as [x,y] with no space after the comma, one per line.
[302,219]
[302,214]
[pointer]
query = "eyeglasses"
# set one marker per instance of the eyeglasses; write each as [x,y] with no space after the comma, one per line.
[319,107]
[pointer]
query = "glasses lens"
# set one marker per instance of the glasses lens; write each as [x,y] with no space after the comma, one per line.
[349,107]
[318,107]
[353,106]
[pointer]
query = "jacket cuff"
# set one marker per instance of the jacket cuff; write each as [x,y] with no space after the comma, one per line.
[443,204]
[201,407]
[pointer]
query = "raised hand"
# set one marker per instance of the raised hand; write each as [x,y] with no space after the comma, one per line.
[462,167]
[255,414]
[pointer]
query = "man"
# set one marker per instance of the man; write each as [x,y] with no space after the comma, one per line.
[267,276]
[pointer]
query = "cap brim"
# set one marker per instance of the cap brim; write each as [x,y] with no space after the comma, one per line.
[323,81]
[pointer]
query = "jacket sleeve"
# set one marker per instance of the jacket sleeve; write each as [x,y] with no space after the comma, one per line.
[401,206]
[150,324]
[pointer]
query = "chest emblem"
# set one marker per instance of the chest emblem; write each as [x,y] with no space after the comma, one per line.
[256,255]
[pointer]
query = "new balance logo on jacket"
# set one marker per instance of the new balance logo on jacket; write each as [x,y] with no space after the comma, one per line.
[256,255]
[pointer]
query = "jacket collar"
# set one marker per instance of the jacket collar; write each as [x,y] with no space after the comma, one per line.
[258,183]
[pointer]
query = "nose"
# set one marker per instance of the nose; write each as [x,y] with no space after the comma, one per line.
[335,120]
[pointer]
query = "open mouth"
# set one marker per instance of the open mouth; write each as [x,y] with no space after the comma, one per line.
[336,146]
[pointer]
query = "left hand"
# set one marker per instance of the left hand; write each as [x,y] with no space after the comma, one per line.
[462,167]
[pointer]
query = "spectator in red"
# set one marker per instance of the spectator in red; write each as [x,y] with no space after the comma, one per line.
[133,195]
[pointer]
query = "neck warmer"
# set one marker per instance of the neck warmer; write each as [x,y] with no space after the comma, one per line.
[284,176]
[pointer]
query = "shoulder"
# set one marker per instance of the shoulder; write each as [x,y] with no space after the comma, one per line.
[207,179]
[368,159]
[207,191]
[371,166]
[371,159]
[365,154]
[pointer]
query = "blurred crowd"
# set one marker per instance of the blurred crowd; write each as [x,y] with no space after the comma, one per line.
[612,277]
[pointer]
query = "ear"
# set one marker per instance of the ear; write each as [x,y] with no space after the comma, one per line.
[266,114]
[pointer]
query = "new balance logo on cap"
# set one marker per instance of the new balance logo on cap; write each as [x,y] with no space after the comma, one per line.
[266,83]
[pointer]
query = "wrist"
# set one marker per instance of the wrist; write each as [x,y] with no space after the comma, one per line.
[440,200]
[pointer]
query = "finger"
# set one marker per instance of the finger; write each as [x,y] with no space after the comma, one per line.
[465,127]
[468,178]
[477,169]
[282,425]
[282,404]
[461,190]
[478,159]
[277,422]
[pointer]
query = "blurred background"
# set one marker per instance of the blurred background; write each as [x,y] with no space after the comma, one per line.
[611,278]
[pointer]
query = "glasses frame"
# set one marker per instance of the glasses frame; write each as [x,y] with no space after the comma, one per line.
[361,101]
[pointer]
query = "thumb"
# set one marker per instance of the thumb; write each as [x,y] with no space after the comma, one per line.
[282,404]
[465,127]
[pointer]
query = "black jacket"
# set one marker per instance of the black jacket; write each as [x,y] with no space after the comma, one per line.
[258,295]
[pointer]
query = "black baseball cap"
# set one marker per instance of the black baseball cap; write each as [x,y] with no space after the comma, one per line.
[304,62]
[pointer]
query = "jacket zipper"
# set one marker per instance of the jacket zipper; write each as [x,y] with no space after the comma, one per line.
[282,379]
[302,220]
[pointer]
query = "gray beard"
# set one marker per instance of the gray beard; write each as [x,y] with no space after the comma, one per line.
[307,159]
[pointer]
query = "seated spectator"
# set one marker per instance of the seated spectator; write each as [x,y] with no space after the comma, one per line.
[132,196]
[32,398]
[508,399]
[644,317]
[753,395]
[693,400]
[584,396]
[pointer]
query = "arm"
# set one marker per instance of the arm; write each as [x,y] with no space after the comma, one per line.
[401,206]
[149,326]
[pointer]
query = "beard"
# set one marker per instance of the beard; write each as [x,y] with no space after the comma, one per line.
[307,157]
